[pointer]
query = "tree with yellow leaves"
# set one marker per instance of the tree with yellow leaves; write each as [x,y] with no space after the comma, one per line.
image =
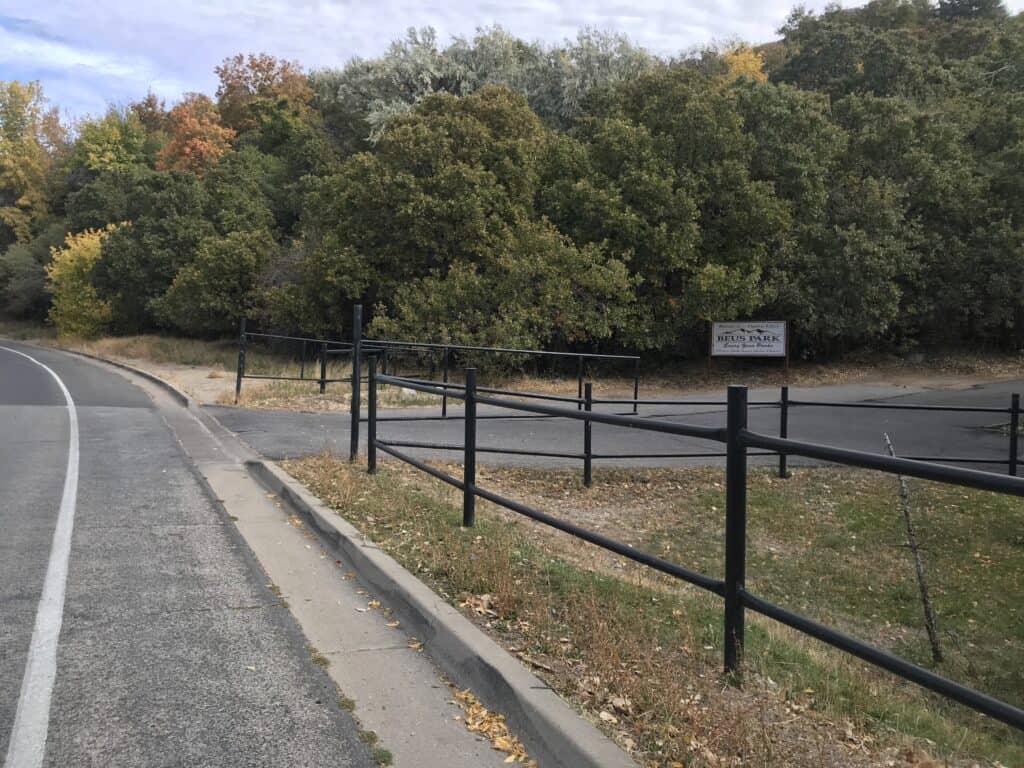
[31,137]
[77,308]
[743,61]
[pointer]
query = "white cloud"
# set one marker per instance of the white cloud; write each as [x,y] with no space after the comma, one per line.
[120,49]
[17,49]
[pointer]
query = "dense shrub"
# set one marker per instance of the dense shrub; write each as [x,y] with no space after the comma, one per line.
[77,308]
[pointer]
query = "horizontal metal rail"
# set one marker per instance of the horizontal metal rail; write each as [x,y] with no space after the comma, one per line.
[970,478]
[719,455]
[568,398]
[903,406]
[636,422]
[489,390]
[254,335]
[381,344]
[416,386]
[453,447]
[422,465]
[459,417]
[954,459]
[502,416]
[702,403]
[699,579]
[999,710]
[296,378]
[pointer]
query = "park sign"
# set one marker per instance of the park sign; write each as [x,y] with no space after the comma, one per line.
[749,339]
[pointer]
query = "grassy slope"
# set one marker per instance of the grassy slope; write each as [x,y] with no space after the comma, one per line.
[618,640]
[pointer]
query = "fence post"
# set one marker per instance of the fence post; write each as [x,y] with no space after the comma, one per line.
[783,428]
[357,351]
[371,413]
[323,367]
[1014,430]
[241,361]
[636,384]
[735,526]
[588,396]
[302,361]
[444,397]
[580,383]
[469,453]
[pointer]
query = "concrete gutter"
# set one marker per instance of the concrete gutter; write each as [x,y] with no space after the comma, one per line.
[553,733]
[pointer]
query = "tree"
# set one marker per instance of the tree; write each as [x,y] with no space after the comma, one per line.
[151,112]
[449,192]
[109,197]
[114,142]
[31,140]
[238,191]
[77,308]
[257,77]
[537,290]
[196,137]
[442,185]
[140,259]
[696,131]
[971,9]
[211,293]
[611,185]
[741,61]
[360,100]
[295,148]
[837,279]
[23,273]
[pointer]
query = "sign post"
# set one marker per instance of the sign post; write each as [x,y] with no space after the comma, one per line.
[769,338]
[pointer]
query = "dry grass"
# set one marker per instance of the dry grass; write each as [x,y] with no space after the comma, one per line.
[217,358]
[640,655]
[20,330]
[306,396]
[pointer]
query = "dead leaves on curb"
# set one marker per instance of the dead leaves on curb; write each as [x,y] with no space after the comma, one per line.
[492,726]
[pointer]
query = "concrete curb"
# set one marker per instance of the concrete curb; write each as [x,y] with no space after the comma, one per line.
[551,731]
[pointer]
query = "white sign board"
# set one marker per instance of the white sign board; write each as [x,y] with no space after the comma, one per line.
[748,339]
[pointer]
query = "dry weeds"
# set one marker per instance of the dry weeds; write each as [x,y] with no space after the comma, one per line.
[639,656]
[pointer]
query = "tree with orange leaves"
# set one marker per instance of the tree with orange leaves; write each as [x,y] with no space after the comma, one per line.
[196,137]
[245,79]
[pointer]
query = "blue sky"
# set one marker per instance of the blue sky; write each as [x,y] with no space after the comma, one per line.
[91,54]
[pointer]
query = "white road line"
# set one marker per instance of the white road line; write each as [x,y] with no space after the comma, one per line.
[27,746]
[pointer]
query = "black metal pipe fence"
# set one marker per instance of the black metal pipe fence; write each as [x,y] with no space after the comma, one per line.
[587,455]
[321,349]
[358,347]
[738,441]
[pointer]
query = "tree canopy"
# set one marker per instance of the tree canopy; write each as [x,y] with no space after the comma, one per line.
[860,176]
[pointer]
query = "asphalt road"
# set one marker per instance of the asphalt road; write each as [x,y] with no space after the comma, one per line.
[170,649]
[283,434]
